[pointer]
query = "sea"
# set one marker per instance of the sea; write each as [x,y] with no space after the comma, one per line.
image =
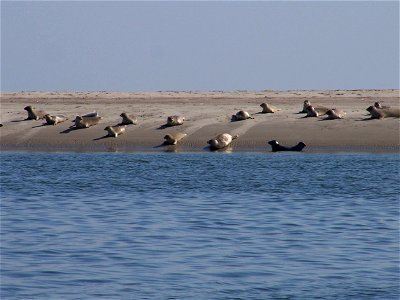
[199,225]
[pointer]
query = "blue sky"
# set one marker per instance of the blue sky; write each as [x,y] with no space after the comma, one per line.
[152,46]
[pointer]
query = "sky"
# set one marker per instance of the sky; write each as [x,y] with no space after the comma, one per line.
[202,46]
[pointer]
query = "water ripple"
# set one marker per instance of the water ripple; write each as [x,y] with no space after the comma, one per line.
[199,226]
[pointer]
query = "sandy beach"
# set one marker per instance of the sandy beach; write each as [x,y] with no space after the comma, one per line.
[207,114]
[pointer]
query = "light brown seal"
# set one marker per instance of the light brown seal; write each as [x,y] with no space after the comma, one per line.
[128,119]
[175,120]
[316,111]
[34,114]
[335,114]
[241,115]
[268,108]
[174,138]
[54,120]
[114,131]
[85,122]
[379,105]
[221,141]
[378,113]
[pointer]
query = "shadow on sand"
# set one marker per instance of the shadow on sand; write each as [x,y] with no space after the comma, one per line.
[41,125]
[367,119]
[17,121]
[101,138]
[164,126]
[68,130]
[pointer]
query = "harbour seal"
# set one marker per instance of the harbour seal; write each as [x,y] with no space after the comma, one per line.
[268,108]
[54,120]
[241,115]
[126,119]
[91,114]
[85,122]
[221,141]
[277,147]
[378,113]
[316,111]
[335,114]
[174,138]
[379,105]
[34,114]
[175,120]
[306,104]
[114,131]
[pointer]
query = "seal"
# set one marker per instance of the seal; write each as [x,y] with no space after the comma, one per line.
[114,131]
[277,147]
[54,120]
[221,141]
[174,138]
[86,122]
[268,108]
[380,113]
[316,111]
[91,114]
[34,114]
[241,115]
[379,105]
[335,114]
[175,120]
[306,104]
[127,119]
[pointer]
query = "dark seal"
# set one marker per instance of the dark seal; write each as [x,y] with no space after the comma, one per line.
[276,147]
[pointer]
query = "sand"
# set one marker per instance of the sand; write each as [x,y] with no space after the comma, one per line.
[207,114]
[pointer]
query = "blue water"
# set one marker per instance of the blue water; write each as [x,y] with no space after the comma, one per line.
[199,226]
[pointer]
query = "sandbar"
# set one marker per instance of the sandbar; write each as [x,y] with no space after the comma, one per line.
[207,114]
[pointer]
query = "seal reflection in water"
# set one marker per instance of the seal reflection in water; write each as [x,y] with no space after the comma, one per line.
[127,119]
[174,138]
[86,122]
[241,115]
[54,120]
[268,108]
[221,141]
[175,120]
[34,114]
[114,131]
[277,147]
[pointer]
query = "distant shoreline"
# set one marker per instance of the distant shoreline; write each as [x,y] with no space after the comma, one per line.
[237,93]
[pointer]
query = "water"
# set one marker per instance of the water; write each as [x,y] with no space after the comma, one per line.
[199,226]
